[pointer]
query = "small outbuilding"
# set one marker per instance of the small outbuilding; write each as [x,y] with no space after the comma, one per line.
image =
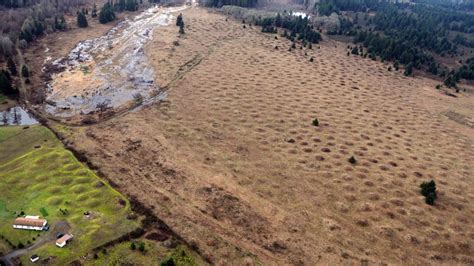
[34,258]
[30,223]
[62,241]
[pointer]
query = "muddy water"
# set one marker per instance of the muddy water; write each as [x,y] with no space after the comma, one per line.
[16,116]
[114,68]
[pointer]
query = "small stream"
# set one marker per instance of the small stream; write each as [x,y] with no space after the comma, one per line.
[15,116]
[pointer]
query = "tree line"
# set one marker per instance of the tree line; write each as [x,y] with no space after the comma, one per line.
[241,3]
[300,28]
[406,34]
[41,17]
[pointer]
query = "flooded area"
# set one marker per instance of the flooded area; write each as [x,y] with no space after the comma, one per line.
[110,71]
[16,116]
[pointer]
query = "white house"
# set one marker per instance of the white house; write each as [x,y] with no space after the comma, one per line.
[62,241]
[30,223]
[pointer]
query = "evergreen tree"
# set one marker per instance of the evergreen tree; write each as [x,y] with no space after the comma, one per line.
[106,13]
[408,70]
[12,66]
[179,20]
[122,5]
[81,20]
[25,72]
[131,5]
[94,11]
[6,83]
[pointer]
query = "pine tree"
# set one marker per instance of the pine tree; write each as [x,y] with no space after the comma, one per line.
[12,66]
[408,70]
[106,13]
[25,72]
[179,20]
[81,20]
[94,11]
[131,5]
[6,83]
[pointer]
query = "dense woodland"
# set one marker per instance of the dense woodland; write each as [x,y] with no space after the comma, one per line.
[220,3]
[413,35]
[23,21]
[299,28]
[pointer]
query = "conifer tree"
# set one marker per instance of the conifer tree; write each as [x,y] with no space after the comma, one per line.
[81,20]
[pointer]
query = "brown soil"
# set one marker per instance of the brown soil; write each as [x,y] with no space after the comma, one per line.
[232,163]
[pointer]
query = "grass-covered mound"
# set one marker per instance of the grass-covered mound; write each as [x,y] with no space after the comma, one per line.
[39,177]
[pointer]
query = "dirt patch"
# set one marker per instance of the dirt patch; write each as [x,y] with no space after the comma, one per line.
[460,118]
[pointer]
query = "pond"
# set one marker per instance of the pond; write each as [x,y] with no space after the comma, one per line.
[16,116]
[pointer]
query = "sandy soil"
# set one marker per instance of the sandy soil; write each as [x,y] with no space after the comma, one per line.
[231,161]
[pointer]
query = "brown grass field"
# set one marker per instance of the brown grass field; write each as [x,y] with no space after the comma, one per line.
[231,161]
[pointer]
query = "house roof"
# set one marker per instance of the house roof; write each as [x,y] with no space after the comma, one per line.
[29,222]
[64,238]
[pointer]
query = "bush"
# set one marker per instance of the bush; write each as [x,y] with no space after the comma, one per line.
[20,245]
[168,262]
[352,160]
[428,189]
[25,72]
[316,122]
[96,256]
[141,247]
[133,246]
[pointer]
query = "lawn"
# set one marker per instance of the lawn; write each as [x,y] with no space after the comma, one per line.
[39,177]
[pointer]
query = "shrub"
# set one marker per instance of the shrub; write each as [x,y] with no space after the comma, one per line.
[138,98]
[316,122]
[20,245]
[96,256]
[352,160]
[428,189]
[168,262]
[141,247]
[133,246]
[25,72]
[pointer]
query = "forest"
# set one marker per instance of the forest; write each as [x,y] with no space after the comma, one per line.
[299,27]
[220,3]
[23,21]
[413,35]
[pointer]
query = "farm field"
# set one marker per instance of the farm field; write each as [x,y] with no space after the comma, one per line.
[232,162]
[40,177]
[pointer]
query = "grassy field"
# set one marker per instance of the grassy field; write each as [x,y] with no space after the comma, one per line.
[39,177]
[122,254]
